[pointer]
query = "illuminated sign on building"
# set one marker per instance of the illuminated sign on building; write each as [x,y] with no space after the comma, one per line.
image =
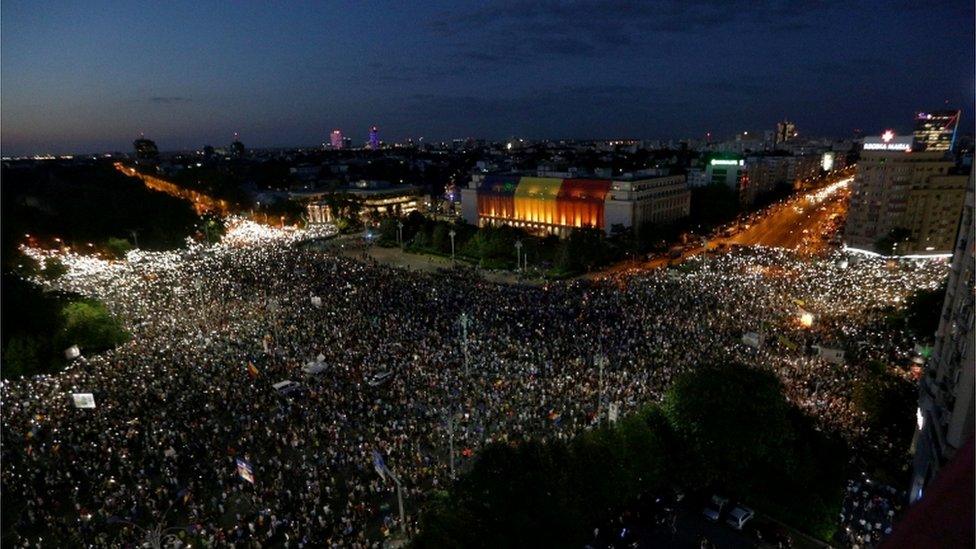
[722,162]
[827,162]
[888,142]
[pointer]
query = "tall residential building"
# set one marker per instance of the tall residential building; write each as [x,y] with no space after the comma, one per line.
[936,130]
[785,131]
[237,148]
[912,197]
[945,404]
[374,138]
[336,139]
[146,150]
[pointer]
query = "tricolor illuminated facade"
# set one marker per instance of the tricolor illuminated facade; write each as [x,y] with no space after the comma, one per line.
[557,205]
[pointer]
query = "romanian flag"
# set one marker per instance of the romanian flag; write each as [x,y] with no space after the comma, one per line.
[252,370]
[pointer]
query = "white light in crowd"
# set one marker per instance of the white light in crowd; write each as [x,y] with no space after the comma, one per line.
[806,319]
[920,418]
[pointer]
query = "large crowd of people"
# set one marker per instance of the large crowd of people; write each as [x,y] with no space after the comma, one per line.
[191,395]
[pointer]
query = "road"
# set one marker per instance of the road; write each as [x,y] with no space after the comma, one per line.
[805,224]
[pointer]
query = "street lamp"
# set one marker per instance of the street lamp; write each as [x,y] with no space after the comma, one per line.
[518,255]
[452,233]
[400,234]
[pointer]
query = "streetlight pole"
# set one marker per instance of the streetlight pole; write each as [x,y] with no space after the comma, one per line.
[600,360]
[400,234]
[450,438]
[518,255]
[399,487]
[452,233]
[464,341]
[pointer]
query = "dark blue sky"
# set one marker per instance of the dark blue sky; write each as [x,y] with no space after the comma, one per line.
[90,76]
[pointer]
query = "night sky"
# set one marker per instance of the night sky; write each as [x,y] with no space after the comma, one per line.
[90,76]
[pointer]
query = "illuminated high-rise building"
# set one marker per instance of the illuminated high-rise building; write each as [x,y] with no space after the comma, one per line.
[902,196]
[374,138]
[146,150]
[237,148]
[936,130]
[336,139]
[785,131]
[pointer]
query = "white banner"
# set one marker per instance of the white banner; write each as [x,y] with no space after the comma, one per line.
[83,400]
[752,339]
[834,356]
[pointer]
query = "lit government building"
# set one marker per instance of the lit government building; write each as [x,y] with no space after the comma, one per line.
[556,205]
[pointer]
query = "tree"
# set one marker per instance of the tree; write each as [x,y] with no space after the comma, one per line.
[54,269]
[923,311]
[90,326]
[885,400]
[22,355]
[213,227]
[118,247]
[440,239]
[536,494]
[734,422]
[888,244]
[713,205]
[737,433]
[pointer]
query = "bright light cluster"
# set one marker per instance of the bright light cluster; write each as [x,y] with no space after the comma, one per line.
[826,192]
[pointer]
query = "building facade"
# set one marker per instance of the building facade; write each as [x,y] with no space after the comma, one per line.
[556,205]
[785,131]
[936,130]
[375,199]
[946,405]
[897,189]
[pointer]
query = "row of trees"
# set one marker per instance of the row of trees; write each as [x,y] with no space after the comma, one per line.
[495,247]
[83,204]
[727,429]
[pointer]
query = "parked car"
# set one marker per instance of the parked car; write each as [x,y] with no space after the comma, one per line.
[715,506]
[739,516]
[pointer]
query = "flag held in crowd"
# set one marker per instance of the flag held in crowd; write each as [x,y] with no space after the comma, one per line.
[379,464]
[244,470]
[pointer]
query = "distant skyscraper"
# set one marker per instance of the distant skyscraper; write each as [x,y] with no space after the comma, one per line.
[237,148]
[785,131]
[336,139]
[936,130]
[146,150]
[374,138]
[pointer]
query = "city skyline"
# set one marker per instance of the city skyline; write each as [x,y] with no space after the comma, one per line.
[92,78]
